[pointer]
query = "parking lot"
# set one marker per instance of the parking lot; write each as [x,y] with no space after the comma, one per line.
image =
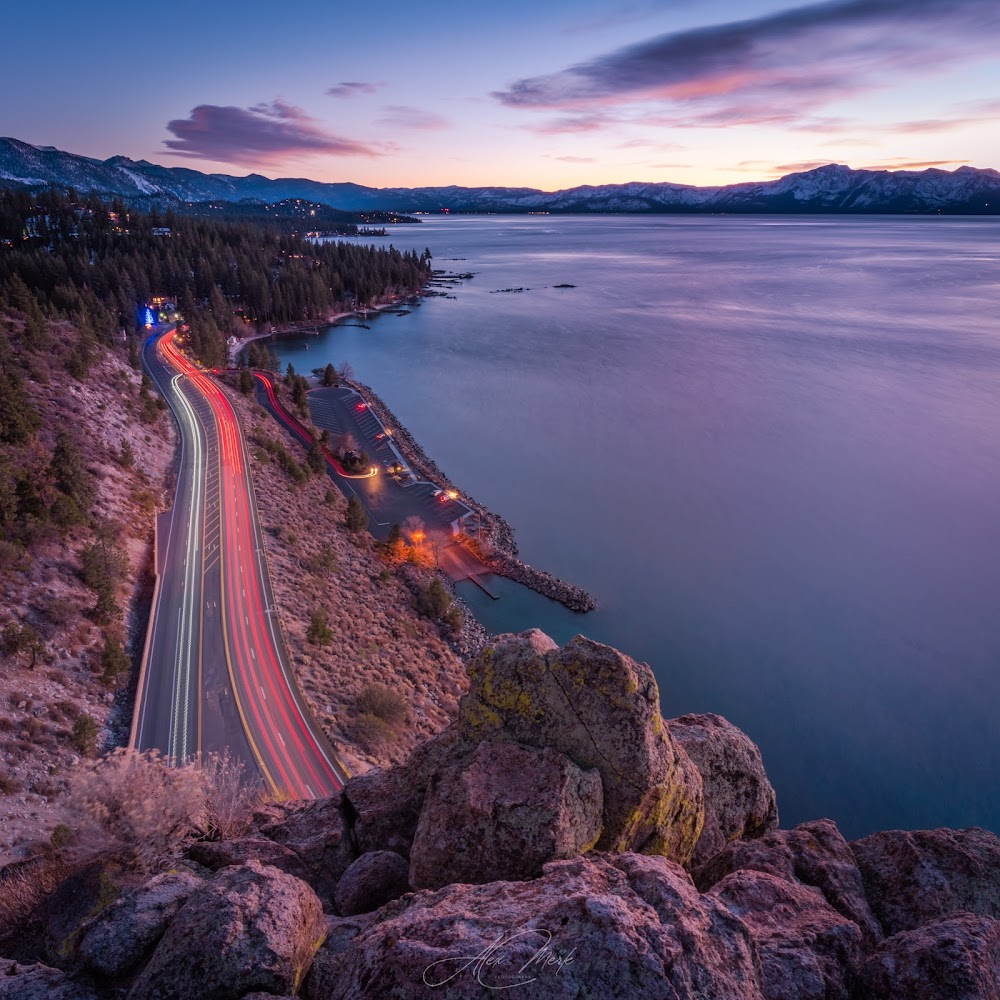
[388,499]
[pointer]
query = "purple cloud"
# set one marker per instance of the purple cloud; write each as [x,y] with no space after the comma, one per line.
[352,88]
[773,68]
[256,134]
[571,124]
[902,164]
[405,116]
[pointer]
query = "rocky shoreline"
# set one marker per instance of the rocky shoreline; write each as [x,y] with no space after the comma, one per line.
[497,532]
[560,828]
[573,597]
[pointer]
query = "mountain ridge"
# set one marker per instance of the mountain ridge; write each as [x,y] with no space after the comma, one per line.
[832,188]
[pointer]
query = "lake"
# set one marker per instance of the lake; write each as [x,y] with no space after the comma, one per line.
[769,446]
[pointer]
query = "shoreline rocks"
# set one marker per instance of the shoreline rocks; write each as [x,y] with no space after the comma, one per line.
[915,877]
[542,582]
[740,803]
[474,866]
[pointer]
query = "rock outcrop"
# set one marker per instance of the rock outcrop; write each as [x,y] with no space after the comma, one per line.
[602,710]
[38,982]
[479,864]
[251,928]
[813,854]
[317,832]
[384,805]
[605,926]
[740,803]
[957,958]
[375,879]
[124,934]
[807,950]
[217,854]
[912,878]
[502,815]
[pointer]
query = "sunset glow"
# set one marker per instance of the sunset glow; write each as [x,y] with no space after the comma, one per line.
[555,96]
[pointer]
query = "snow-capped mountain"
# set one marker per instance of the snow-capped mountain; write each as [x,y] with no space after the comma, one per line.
[833,188]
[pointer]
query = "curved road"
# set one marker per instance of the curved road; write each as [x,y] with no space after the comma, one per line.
[216,673]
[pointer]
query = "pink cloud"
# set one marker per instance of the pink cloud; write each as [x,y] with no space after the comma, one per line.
[774,69]
[405,116]
[263,132]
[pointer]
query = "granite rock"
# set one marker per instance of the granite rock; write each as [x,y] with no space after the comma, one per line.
[813,854]
[602,710]
[251,928]
[912,878]
[124,934]
[373,880]
[502,814]
[807,950]
[957,958]
[740,803]
[609,926]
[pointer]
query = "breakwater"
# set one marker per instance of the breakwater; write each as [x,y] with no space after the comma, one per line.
[496,537]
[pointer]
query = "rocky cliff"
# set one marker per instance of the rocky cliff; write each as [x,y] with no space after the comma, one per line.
[560,839]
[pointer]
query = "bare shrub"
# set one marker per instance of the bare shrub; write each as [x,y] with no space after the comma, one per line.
[229,798]
[373,733]
[134,807]
[24,883]
[384,703]
[138,809]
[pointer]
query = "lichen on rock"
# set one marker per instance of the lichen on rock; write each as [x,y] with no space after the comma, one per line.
[601,709]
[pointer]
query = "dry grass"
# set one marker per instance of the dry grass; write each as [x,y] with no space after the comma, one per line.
[379,638]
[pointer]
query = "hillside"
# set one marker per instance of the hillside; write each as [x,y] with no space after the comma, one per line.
[77,496]
[86,451]
[832,188]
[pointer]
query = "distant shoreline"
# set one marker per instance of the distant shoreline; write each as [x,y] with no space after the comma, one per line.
[313,329]
[503,561]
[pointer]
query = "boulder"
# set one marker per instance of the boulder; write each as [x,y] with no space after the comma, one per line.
[216,854]
[124,934]
[912,878]
[602,710]
[252,928]
[385,804]
[38,982]
[957,958]
[317,831]
[608,926]
[813,854]
[502,815]
[740,803]
[807,950]
[373,880]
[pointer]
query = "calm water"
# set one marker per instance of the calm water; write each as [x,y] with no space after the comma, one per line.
[769,447]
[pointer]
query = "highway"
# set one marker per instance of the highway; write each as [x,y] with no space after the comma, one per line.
[216,674]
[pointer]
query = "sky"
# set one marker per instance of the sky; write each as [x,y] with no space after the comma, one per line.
[523,93]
